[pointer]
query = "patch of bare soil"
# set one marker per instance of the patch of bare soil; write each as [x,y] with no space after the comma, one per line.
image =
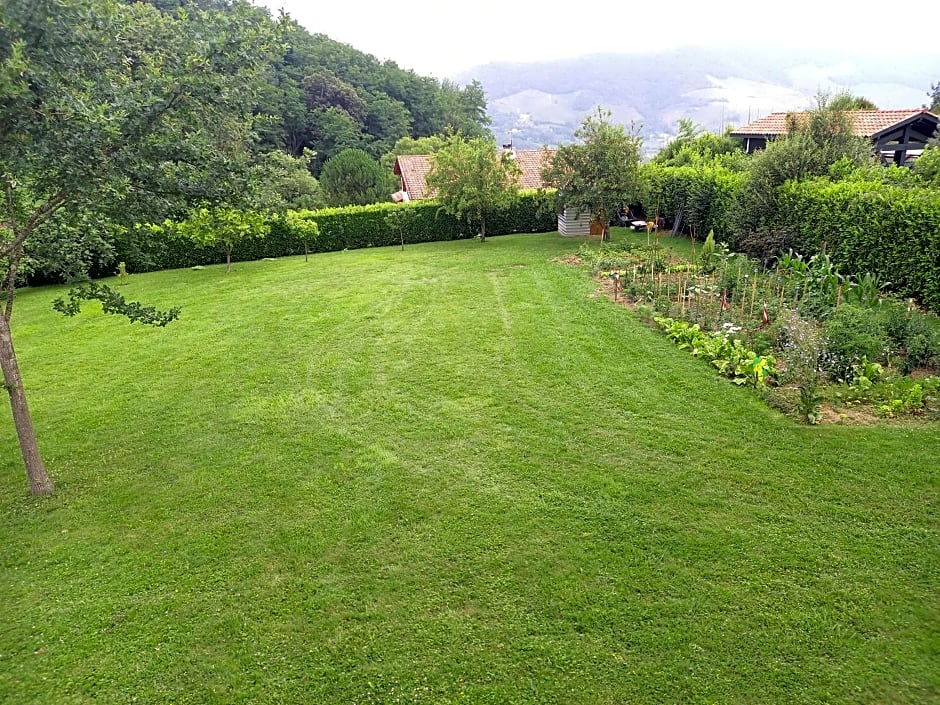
[850,416]
[573,260]
[605,287]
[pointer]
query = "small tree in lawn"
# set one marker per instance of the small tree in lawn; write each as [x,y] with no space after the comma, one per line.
[401,220]
[305,227]
[600,173]
[471,177]
[221,227]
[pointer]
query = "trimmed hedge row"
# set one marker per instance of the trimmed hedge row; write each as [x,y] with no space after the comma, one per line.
[865,226]
[706,195]
[871,227]
[352,227]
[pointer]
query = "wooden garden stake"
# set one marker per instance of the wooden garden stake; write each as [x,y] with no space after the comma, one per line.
[753,295]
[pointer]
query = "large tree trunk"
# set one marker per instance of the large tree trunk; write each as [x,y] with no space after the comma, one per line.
[39,482]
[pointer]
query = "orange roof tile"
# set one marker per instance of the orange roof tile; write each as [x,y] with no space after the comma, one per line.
[531,162]
[414,168]
[866,123]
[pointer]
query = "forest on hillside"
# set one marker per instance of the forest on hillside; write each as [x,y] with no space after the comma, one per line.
[117,113]
[327,96]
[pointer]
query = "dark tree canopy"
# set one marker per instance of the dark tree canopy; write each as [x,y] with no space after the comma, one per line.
[327,96]
[352,177]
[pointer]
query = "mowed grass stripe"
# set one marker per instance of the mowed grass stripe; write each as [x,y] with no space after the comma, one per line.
[447,474]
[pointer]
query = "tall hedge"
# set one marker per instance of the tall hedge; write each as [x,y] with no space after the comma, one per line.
[351,227]
[881,228]
[705,193]
[866,226]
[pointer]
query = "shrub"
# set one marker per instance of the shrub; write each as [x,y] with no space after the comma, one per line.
[353,177]
[921,342]
[853,334]
[766,246]
[803,345]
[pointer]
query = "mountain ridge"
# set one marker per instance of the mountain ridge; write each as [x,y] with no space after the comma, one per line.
[542,103]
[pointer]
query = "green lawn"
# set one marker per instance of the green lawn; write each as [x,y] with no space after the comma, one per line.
[448,474]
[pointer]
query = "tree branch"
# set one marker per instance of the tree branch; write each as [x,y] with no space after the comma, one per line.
[52,204]
[113,302]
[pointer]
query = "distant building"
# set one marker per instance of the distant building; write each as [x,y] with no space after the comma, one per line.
[413,170]
[898,135]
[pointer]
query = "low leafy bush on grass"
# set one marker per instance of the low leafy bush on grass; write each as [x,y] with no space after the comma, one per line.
[853,334]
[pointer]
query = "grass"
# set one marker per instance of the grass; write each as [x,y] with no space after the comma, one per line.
[444,475]
[681,246]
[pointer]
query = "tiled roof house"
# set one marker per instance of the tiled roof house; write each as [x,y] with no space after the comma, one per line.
[413,170]
[894,133]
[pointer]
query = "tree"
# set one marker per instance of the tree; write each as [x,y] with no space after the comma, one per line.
[119,110]
[333,131]
[325,90]
[219,226]
[934,95]
[464,109]
[410,145]
[471,177]
[304,226]
[401,221]
[352,177]
[814,142]
[387,121]
[285,182]
[600,173]
[380,101]
[693,146]
[847,101]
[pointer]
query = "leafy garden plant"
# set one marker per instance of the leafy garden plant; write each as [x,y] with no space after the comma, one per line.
[728,355]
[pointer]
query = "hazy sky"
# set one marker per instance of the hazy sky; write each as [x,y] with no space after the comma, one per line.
[441,38]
